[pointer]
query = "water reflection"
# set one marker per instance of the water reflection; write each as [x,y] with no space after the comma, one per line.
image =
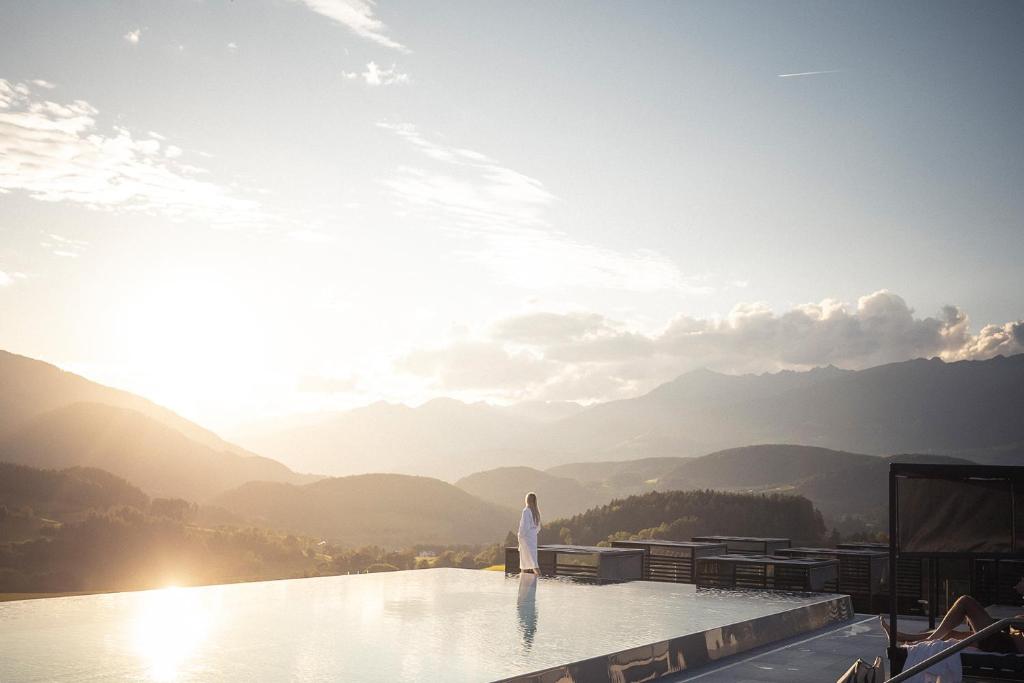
[171,625]
[526,604]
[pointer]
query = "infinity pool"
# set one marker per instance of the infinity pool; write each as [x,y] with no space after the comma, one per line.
[436,624]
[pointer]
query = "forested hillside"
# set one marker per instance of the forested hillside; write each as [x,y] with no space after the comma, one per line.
[679,515]
[69,491]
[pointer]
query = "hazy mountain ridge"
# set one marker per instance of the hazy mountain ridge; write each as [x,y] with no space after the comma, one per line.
[440,438]
[32,387]
[837,482]
[157,458]
[506,486]
[912,406]
[50,418]
[391,510]
[759,466]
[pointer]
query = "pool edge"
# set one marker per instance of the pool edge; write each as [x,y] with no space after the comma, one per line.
[686,652]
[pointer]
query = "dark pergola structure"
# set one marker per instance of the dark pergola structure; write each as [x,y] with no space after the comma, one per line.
[968,512]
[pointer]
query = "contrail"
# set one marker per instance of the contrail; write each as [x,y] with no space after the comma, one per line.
[811,73]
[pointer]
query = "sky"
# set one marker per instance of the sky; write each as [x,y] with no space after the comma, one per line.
[246,209]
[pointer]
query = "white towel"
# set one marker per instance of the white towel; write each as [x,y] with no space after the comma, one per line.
[949,670]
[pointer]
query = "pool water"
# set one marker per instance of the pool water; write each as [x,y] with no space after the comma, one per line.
[435,624]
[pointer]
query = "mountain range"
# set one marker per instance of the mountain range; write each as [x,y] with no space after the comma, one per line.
[69,445]
[839,483]
[575,457]
[917,406]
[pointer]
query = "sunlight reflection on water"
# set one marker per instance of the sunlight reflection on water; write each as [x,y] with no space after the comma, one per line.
[171,626]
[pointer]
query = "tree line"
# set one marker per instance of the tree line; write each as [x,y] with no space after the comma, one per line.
[680,515]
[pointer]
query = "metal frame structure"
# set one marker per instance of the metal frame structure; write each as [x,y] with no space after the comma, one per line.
[1014,478]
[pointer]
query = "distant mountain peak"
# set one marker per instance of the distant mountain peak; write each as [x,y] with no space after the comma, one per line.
[444,402]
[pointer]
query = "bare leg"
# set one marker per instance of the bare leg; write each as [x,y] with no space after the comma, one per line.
[966,610]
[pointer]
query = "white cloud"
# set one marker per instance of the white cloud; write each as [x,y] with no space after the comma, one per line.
[357,16]
[550,328]
[43,84]
[66,247]
[133,37]
[5,279]
[55,152]
[374,75]
[507,214]
[476,365]
[232,47]
[1005,339]
[586,356]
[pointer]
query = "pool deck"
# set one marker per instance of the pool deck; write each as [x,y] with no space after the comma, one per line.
[817,657]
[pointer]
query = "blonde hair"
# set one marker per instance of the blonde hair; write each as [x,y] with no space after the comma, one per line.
[531,502]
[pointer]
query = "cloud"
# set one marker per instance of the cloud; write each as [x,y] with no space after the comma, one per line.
[232,47]
[358,17]
[54,152]
[550,328]
[64,246]
[475,365]
[586,356]
[133,37]
[880,328]
[1005,339]
[374,75]
[506,214]
[810,73]
[5,279]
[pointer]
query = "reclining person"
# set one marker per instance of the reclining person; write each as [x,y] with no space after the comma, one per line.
[967,610]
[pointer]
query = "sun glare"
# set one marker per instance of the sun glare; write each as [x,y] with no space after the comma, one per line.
[171,627]
[195,330]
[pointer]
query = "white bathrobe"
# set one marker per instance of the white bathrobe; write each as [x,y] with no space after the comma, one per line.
[528,541]
[949,670]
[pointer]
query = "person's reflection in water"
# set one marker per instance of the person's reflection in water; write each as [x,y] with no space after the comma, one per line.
[526,603]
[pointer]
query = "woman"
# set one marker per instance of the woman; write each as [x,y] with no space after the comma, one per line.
[529,525]
[967,610]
